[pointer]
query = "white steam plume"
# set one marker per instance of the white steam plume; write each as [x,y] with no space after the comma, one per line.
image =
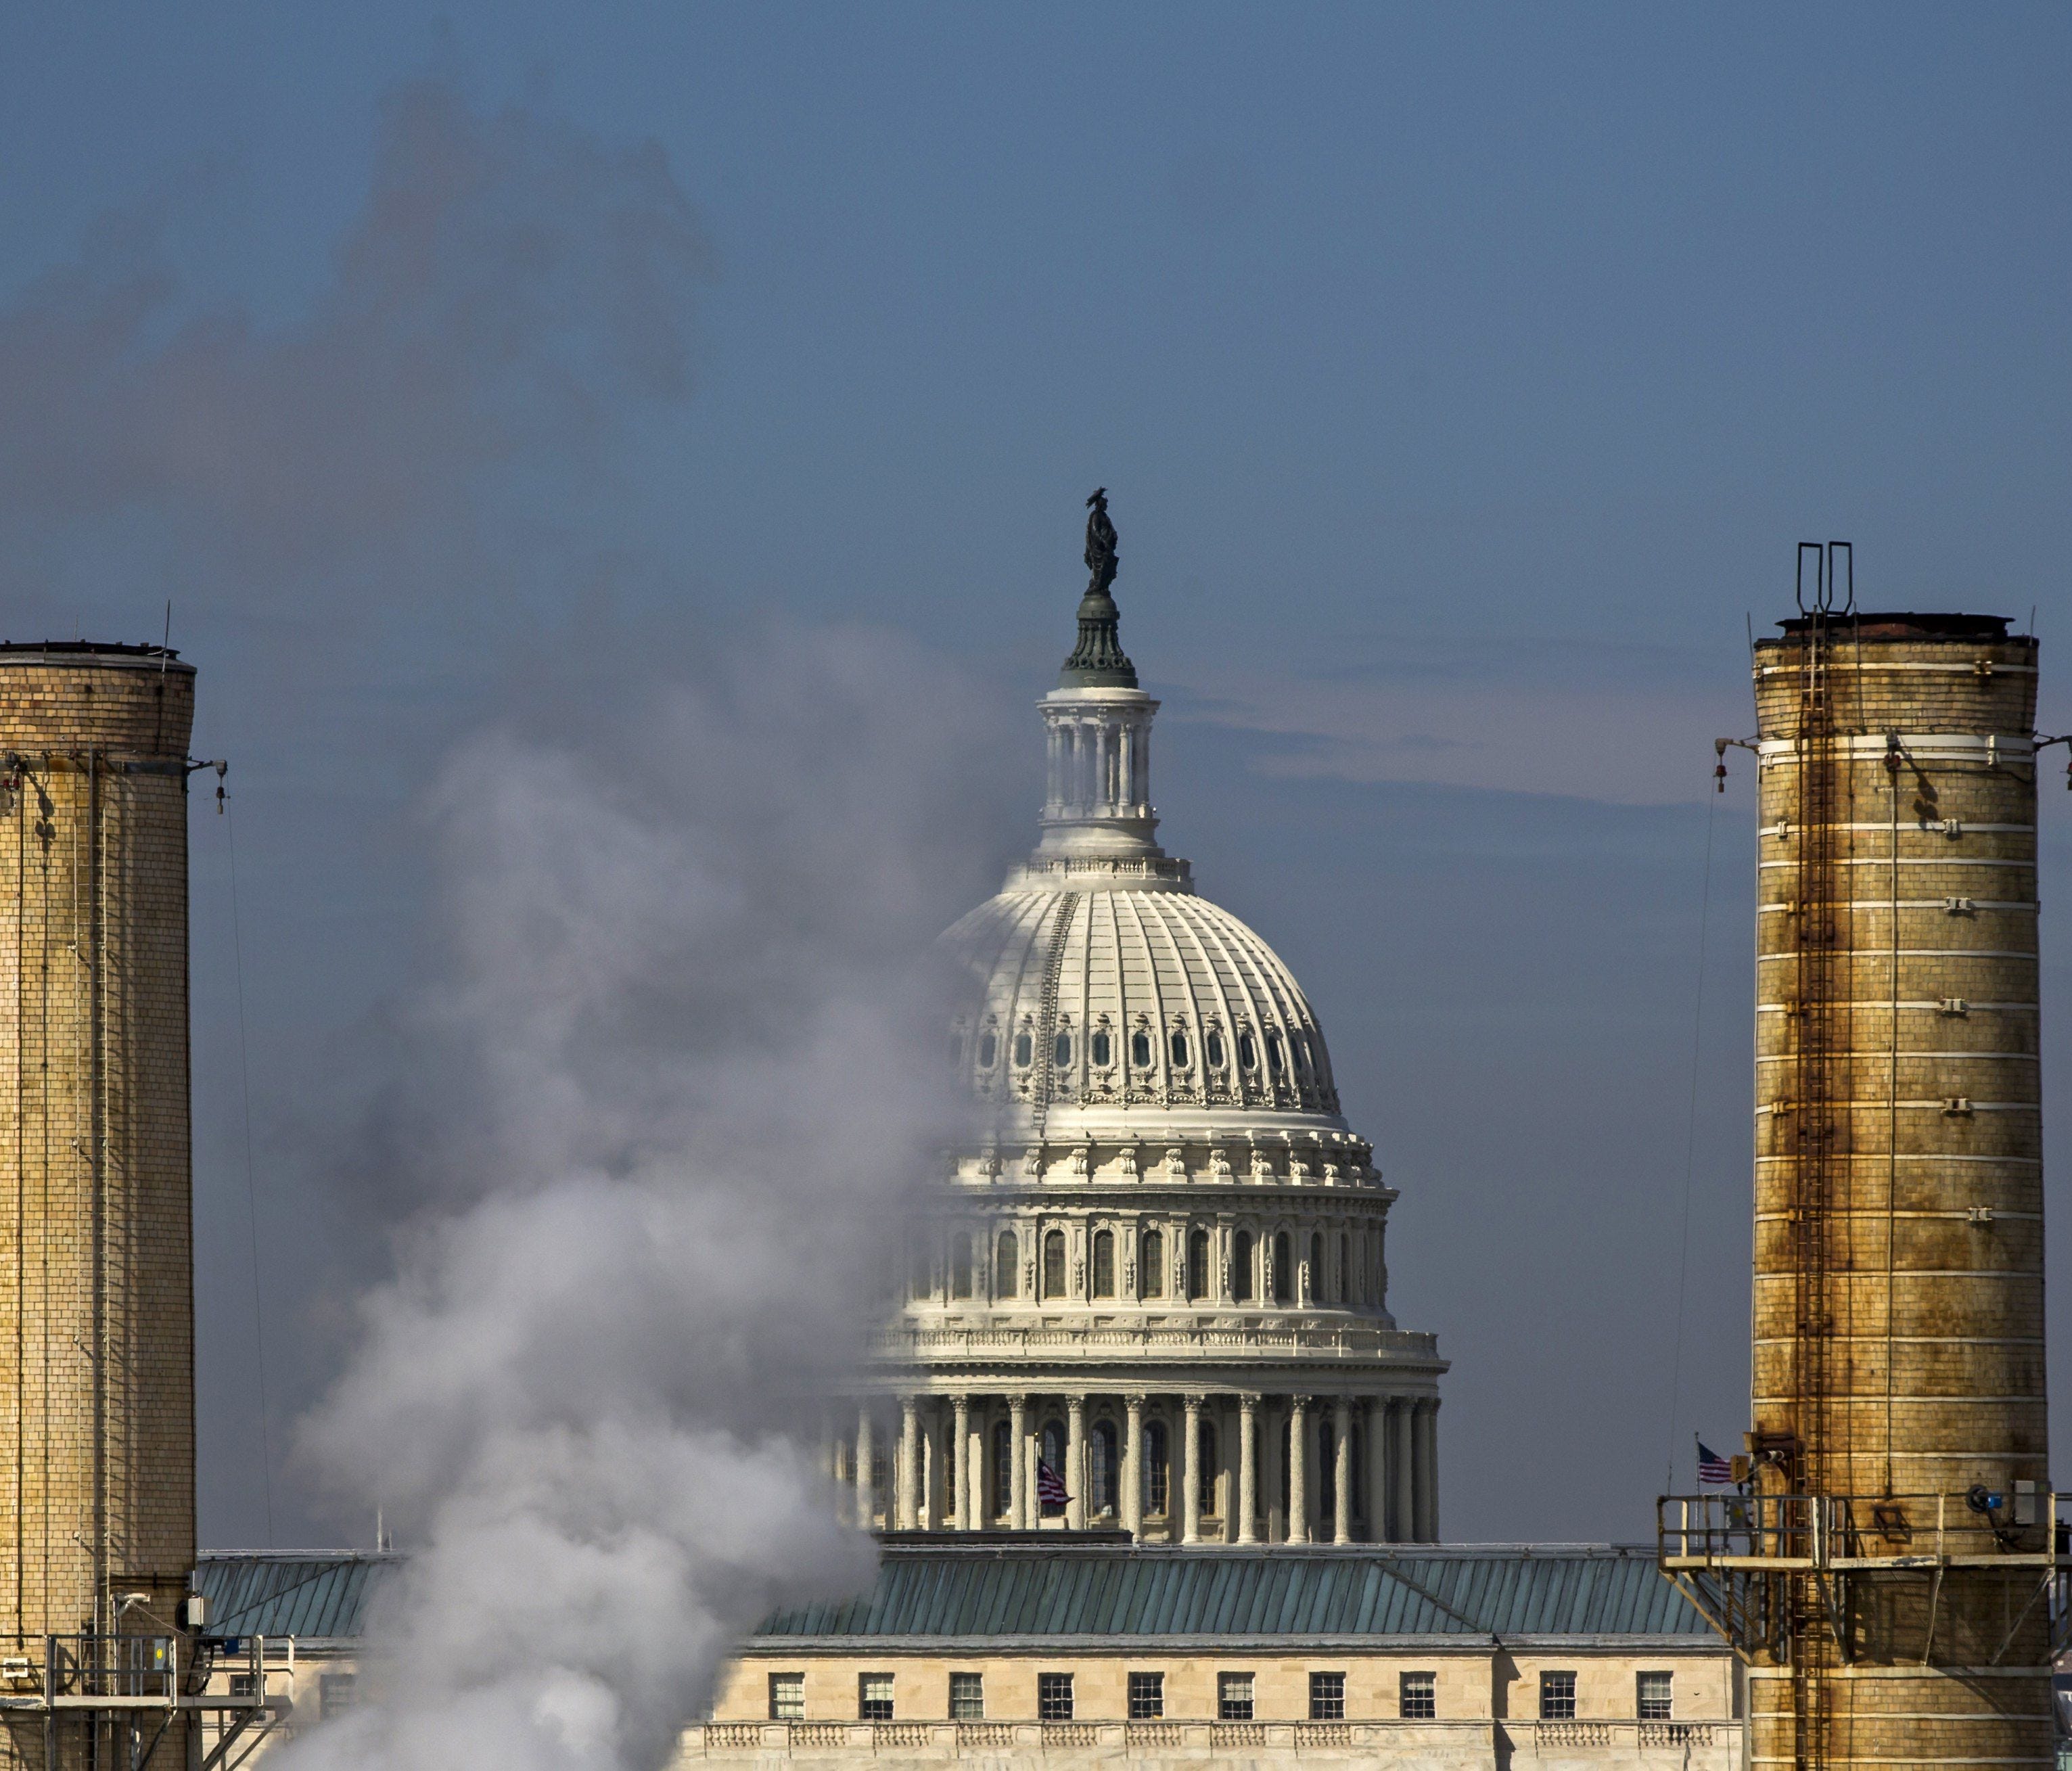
[670,1094]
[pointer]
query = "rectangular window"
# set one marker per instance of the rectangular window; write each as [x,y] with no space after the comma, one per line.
[1327,1697]
[243,1687]
[967,1697]
[334,1695]
[874,1697]
[1418,1695]
[1147,1696]
[1657,1697]
[1233,1697]
[1557,1697]
[787,1697]
[1054,1697]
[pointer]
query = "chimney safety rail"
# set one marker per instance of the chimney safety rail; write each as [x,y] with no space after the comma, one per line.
[1735,1555]
[141,1682]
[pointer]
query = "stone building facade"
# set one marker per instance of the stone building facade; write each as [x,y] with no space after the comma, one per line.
[1161,1275]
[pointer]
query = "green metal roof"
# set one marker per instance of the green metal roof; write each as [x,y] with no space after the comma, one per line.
[1028,1589]
[313,1594]
[1374,1591]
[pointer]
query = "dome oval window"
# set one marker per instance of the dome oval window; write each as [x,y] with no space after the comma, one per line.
[1247,1053]
[1179,1043]
[1139,1051]
[1275,1061]
[1214,1046]
[1099,1048]
[988,1048]
[1025,1050]
[1061,1052]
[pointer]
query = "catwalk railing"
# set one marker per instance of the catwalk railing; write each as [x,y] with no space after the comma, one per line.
[138,1682]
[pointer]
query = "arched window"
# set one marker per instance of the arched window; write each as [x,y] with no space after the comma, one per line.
[1098,1048]
[1054,1455]
[1204,1486]
[1140,1050]
[1356,1460]
[1178,1045]
[1214,1046]
[1241,1267]
[1100,1477]
[1054,1264]
[1316,1267]
[1343,1291]
[1003,1469]
[988,1048]
[1006,1266]
[1103,1263]
[1151,1269]
[1247,1053]
[1327,1471]
[1025,1050]
[960,1266]
[919,1277]
[1284,1271]
[1197,1265]
[1274,1061]
[1061,1048]
[1158,1470]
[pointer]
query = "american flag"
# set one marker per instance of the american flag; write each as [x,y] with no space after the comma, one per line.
[1714,1471]
[1049,1486]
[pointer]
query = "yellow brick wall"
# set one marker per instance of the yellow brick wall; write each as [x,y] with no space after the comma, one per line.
[96,1434]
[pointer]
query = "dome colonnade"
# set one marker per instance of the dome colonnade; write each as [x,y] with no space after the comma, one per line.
[1159,1274]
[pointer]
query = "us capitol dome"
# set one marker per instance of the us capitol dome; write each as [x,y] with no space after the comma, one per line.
[1154,1298]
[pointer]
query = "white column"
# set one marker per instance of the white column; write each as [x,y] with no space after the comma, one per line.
[1377,1470]
[1298,1469]
[960,1518]
[1053,791]
[909,1485]
[1403,1522]
[1247,1468]
[974,1472]
[1425,1434]
[1017,1476]
[1132,1466]
[1341,1470]
[1128,769]
[1075,1463]
[1191,1471]
[867,1501]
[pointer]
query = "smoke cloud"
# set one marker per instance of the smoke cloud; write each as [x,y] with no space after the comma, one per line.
[672,1093]
[643,1134]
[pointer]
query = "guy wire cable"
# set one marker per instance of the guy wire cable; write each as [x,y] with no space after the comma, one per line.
[251,1180]
[1690,1144]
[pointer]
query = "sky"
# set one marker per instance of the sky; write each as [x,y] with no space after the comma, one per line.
[1463,380]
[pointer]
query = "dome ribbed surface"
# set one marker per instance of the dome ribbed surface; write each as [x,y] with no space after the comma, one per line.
[1125,997]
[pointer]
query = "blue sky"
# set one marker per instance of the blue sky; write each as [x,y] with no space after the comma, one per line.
[1463,379]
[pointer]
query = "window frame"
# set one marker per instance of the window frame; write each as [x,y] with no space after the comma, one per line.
[1006,1265]
[1557,1695]
[966,1689]
[1157,1471]
[1327,1697]
[1146,1697]
[1198,1266]
[1236,1697]
[1103,1264]
[1151,1265]
[1053,1242]
[336,1693]
[1417,1695]
[1666,1699]
[869,1708]
[1054,1697]
[1242,1245]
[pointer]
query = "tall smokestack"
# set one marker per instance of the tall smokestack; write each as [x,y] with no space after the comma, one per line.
[1889,1578]
[97,1293]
